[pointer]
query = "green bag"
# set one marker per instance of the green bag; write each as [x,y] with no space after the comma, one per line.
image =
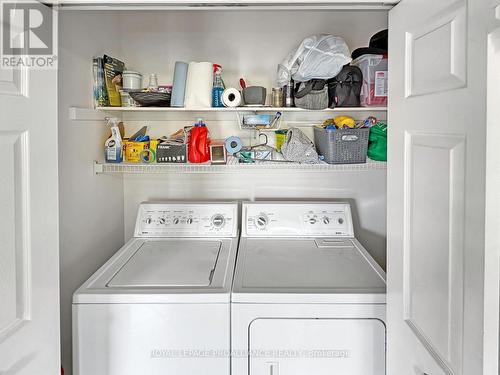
[377,143]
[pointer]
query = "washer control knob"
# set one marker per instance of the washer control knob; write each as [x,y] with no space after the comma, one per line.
[312,220]
[326,220]
[149,220]
[162,220]
[340,221]
[190,220]
[261,221]
[176,221]
[218,221]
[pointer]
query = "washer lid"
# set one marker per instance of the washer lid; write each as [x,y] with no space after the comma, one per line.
[283,269]
[169,263]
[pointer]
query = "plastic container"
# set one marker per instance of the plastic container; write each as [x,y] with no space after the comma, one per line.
[374,89]
[198,147]
[342,146]
[132,80]
[113,151]
[218,87]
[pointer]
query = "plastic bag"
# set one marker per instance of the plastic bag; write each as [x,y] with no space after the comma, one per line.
[377,146]
[298,148]
[318,57]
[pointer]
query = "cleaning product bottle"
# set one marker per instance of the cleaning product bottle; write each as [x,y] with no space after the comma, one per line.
[113,149]
[198,148]
[218,87]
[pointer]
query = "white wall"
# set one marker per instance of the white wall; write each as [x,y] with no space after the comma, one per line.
[247,44]
[366,191]
[91,208]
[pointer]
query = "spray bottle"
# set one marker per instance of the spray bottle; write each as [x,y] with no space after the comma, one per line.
[113,146]
[218,87]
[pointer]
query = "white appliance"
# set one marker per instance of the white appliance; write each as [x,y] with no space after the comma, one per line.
[161,304]
[307,297]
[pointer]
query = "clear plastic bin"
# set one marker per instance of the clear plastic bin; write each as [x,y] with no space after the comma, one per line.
[374,89]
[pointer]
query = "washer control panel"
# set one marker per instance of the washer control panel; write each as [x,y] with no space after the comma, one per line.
[187,220]
[289,219]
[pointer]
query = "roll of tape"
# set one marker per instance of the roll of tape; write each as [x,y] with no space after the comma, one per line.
[147,155]
[231,97]
[233,145]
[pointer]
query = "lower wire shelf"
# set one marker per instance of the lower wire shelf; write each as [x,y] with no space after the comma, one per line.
[233,166]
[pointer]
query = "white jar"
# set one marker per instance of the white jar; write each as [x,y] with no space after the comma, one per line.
[132,80]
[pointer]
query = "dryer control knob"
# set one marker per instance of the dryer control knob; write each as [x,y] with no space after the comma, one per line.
[218,221]
[176,221]
[149,220]
[326,220]
[261,221]
[162,220]
[190,220]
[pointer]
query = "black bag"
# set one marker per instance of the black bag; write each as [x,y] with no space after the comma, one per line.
[312,94]
[345,88]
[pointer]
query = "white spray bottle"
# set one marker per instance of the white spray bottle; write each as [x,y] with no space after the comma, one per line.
[113,152]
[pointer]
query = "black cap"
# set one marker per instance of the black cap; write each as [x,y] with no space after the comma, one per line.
[378,45]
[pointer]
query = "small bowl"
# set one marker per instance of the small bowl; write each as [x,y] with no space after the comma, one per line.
[254,95]
[151,99]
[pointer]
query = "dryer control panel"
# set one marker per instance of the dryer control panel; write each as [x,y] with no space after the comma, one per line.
[291,219]
[187,220]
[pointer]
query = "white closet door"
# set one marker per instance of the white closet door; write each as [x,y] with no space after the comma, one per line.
[29,258]
[436,186]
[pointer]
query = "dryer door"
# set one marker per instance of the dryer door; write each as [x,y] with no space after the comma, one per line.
[317,346]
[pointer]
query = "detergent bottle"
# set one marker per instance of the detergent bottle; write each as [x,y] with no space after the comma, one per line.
[198,147]
[113,148]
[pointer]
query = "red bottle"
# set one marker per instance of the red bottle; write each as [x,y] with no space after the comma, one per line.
[198,150]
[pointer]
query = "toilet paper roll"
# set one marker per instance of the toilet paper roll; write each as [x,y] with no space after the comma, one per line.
[231,97]
[199,85]
[233,145]
[179,85]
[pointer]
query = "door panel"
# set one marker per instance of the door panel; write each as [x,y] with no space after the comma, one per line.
[433,246]
[14,229]
[436,52]
[492,251]
[14,81]
[436,184]
[29,258]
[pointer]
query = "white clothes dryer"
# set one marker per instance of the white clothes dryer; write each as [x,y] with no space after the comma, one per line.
[307,297]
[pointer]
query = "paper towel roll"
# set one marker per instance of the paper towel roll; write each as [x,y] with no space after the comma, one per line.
[179,86]
[231,97]
[199,85]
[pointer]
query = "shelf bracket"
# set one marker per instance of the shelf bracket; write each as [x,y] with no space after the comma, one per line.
[98,168]
[89,114]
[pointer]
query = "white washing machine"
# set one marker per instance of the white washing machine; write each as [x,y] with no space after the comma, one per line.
[161,304]
[307,297]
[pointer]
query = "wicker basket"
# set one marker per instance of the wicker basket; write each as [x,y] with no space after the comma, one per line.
[342,146]
[151,99]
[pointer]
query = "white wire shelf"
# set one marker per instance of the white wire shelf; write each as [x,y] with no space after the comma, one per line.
[232,166]
[171,113]
[239,109]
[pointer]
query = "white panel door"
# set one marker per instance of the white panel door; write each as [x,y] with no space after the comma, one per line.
[436,186]
[29,259]
[492,241]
